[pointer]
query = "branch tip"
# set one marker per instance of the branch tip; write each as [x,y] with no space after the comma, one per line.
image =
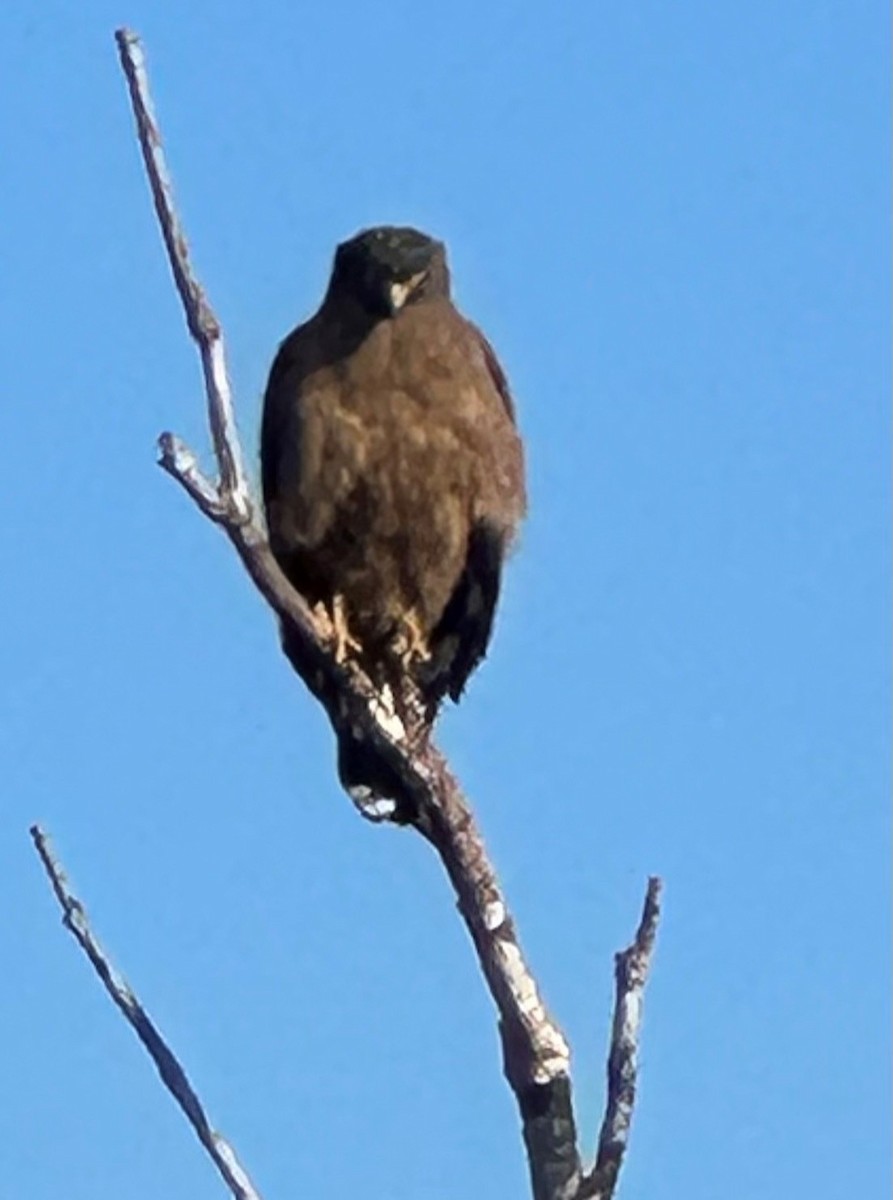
[173,1076]
[631,968]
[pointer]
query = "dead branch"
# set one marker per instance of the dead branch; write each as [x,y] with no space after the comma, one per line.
[631,968]
[436,803]
[535,1054]
[74,918]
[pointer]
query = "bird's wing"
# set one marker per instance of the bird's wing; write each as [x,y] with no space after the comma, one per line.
[495,370]
[275,422]
[296,433]
[462,635]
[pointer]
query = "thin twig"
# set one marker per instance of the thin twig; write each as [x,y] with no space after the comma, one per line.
[179,461]
[173,1076]
[631,967]
[203,325]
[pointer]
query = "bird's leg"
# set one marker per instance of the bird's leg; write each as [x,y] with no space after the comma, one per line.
[409,648]
[334,628]
[344,642]
[323,619]
[411,643]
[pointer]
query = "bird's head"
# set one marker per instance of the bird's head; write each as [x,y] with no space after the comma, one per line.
[389,267]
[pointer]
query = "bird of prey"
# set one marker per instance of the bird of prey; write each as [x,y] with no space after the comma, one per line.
[392,469]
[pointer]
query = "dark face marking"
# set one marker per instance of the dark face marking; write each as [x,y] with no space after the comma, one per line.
[388,267]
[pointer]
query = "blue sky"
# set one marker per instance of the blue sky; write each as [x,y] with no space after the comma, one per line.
[672,223]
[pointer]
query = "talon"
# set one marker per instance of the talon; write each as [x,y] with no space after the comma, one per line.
[323,619]
[345,644]
[335,630]
[411,644]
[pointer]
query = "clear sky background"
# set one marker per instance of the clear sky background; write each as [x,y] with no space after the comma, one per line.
[672,222]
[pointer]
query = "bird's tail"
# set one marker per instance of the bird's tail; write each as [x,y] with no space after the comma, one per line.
[370,781]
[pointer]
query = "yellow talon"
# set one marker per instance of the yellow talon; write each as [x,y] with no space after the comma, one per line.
[346,645]
[411,644]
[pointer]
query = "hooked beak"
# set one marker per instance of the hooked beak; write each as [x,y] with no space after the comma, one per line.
[399,293]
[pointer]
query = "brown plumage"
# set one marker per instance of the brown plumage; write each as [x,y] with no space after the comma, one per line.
[393,474]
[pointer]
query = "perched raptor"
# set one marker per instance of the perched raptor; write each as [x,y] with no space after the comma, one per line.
[393,473]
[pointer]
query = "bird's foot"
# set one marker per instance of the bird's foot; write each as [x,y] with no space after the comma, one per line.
[335,631]
[323,619]
[345,644]
[411,642]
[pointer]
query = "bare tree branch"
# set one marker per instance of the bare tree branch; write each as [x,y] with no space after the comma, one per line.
[203,325]
[173,1076]
[536,1057]
[631,967]
[179,461]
